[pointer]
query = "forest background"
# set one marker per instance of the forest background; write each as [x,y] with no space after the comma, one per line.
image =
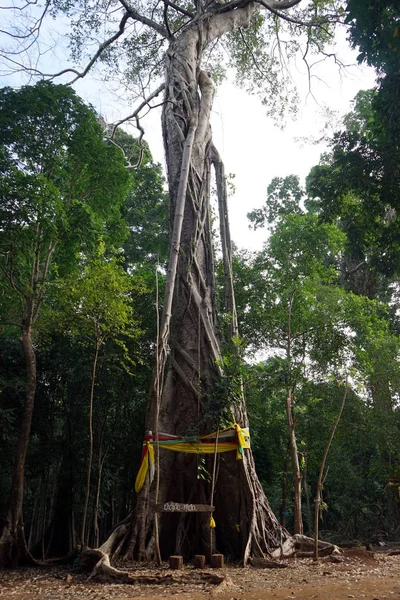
[320,300]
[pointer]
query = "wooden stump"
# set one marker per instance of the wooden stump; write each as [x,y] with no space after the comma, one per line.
[199,561]
[217,561]
[175,562]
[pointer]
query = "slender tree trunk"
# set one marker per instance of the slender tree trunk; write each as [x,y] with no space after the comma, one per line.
[100,465]
[284,488]
[297,478]
[13,547]
[320,482]
[188,333]
[34,523]
[308,504]
[90,457]
[43,517]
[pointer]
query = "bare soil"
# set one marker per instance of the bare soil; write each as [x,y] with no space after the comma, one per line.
[359,574]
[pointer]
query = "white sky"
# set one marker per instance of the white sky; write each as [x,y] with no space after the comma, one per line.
[256,150]
[251,145]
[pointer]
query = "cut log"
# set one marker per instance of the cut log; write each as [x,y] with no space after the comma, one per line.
[322,552]
[199,561]
[301,546]
[176,562]
[265,563]
[217,561]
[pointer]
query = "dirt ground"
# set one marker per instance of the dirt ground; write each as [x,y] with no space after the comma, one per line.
[359,574]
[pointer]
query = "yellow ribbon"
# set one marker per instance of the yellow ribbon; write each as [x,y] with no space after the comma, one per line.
[195,447]
[144,467]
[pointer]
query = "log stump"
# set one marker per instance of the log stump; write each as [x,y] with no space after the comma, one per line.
[217,561]
[199,561]
[176,562]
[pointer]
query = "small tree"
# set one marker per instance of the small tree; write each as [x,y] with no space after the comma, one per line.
[97,307]
[291,300]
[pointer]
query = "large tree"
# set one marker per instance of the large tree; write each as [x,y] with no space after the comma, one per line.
[184,43]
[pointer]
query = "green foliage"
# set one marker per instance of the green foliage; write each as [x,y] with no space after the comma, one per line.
[62,188]
[293,278]
[95,305]
[375,30]
[147,203]
[284,196]
[62,230]
[357,183]
[227,391]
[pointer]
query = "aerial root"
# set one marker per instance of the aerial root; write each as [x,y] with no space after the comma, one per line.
[104,572]
[301,546]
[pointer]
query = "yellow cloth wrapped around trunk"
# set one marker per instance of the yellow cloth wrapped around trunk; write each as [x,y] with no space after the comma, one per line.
[231,438]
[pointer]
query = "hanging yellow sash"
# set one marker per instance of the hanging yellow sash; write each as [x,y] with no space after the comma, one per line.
[231,438]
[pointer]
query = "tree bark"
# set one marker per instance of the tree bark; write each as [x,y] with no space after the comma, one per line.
[297,477]
[245,522]
[320,483]
[84,534]
[100,463]
[284,487]
[13,547]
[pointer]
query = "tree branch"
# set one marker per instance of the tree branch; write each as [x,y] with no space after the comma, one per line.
[280,5]
[79,75]
[102,47]
[293,20]
[166,19]
[139,108]
[183,11]
[145,20]
[363,263]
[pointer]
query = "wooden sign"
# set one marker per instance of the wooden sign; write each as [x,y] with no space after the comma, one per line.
[183,508]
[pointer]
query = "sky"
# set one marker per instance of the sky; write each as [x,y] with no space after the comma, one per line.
[252,146]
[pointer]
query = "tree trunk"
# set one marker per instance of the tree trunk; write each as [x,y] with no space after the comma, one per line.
[308,503]
[297,477]
[85,534]
[320,482]
[245,523]
[284,487]
[100,463]
[297,511]
[61,527]
[13,547]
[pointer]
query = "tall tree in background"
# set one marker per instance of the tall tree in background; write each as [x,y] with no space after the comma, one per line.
[61,190]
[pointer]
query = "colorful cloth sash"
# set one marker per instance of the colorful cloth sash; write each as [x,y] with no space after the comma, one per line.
[225,440]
